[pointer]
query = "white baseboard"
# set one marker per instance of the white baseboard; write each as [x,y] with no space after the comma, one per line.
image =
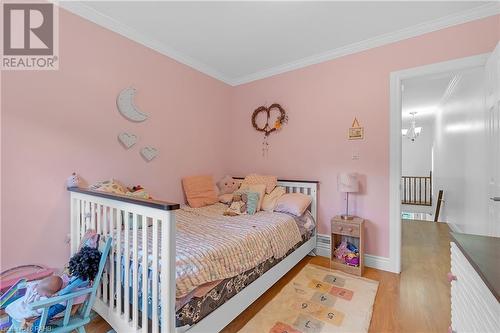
[455,228]
[323,249]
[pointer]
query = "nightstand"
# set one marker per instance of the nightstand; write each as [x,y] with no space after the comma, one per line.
[353,232]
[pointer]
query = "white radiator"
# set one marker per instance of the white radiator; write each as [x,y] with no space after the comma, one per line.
[473,307]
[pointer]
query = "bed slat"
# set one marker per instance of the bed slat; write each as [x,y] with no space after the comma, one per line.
[105,276]
[154,279]
[118,262]
[112,232]
[135,275]
[126,266]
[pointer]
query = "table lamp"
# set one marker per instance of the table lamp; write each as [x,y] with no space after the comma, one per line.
[347,183]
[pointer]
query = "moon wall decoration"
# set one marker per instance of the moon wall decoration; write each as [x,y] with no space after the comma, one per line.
[126,106]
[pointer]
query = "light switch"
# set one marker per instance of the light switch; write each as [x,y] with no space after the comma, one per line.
[355,156]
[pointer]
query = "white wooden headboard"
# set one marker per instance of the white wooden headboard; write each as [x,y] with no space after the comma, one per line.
[308,187]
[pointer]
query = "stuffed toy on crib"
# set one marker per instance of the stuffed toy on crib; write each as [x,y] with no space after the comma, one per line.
[80,273]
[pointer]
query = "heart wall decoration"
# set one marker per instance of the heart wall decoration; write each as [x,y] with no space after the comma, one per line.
[270,125]
[127,139]
[149,153]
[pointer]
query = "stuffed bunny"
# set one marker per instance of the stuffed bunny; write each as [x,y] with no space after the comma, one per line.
[227,186]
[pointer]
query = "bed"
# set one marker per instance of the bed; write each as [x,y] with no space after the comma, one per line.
[222,263]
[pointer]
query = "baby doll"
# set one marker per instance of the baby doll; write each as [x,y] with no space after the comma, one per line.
[81,271]
[20,309]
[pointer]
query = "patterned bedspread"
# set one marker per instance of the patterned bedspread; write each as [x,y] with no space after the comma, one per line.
[211,247]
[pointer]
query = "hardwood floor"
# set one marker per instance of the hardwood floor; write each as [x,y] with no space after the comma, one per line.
[415,301]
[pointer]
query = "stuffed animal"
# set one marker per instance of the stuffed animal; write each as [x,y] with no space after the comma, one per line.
[227,186]
[341,250]
[73,181]
[238,205]
[139,192]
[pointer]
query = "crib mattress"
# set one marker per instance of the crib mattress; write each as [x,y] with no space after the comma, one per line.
[198,308]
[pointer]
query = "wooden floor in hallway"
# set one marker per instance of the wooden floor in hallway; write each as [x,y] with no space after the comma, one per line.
[415,301]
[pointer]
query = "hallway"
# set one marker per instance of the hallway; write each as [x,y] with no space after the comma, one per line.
[424,300]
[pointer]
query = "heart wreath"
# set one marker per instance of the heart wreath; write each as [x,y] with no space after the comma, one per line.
[267,128]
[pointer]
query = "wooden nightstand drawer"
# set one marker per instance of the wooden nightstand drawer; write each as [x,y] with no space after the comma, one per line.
[346,229]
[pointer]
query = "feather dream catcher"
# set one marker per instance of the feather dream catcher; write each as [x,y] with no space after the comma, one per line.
[270,126]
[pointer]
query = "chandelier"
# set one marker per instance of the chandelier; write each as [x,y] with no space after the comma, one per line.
[413,132]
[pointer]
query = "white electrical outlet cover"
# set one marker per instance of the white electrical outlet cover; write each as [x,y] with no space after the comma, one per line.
[149,153]
[126,106]
[127,139]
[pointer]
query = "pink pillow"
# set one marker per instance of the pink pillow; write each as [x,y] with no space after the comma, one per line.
[293,203]
[254,179]
[199,190]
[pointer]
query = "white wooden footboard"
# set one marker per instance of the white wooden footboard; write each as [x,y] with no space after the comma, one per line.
[119,295]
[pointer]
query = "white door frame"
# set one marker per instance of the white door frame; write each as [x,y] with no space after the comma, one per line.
[395,142]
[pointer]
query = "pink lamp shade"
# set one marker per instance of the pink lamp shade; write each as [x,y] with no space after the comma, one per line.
[348,182]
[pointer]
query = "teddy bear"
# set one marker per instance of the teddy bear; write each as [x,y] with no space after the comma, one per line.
[238,204]
[227,186]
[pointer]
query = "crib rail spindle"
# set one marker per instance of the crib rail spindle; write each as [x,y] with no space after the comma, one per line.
[135,275]
[126,266]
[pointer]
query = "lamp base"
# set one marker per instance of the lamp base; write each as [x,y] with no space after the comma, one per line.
[347,217]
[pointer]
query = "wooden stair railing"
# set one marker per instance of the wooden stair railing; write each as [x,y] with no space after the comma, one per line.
[438,206]
[417,190]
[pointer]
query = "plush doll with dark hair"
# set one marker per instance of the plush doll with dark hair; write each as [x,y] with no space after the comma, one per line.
[85,263]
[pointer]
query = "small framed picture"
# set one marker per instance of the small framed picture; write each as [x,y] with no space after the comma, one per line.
[356,132]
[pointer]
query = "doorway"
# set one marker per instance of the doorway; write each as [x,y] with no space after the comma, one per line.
[459,124]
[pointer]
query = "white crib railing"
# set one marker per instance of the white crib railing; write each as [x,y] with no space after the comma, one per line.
[127,277]
[126,290]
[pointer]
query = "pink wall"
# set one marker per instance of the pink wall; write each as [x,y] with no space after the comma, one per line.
[57,122]
[322,101]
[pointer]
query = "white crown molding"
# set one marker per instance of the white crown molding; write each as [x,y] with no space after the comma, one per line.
[377,262]
[81,9]
[416,30]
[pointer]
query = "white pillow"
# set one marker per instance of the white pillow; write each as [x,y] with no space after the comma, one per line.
[293,203]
